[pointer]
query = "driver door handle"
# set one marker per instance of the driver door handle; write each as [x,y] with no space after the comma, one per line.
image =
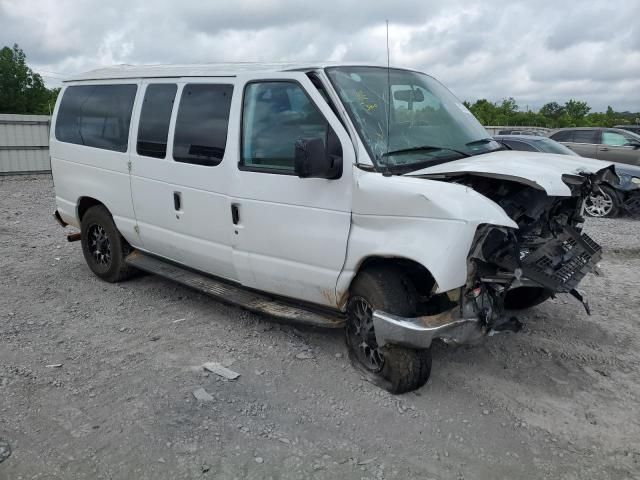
[604,149]
[235,213]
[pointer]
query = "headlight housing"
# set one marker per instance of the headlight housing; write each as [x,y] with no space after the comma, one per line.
[626,179]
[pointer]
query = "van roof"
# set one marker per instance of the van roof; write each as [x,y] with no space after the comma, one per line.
[197,70]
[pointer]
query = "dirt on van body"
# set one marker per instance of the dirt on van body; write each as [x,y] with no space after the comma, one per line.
[97,380]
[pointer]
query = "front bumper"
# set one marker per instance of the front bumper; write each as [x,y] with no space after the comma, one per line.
[557,266]
[419,332]
[466,323]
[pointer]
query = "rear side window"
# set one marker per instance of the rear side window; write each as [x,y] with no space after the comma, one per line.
[274,116]
[521,146]
[202,123]
[154,120]
[585,136]
[549,146]
[96,116]
[563,136]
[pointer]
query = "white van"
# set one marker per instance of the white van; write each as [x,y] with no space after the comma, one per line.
[297,192]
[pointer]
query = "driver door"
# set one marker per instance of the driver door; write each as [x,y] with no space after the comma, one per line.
[289,233]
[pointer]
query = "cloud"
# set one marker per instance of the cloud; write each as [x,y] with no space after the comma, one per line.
[534,51]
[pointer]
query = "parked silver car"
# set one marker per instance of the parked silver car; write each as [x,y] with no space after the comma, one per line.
[610,199]
[609,144]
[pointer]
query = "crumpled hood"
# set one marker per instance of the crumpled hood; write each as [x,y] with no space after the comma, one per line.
[540,170]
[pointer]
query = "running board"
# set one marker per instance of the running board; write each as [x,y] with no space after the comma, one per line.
[229,293]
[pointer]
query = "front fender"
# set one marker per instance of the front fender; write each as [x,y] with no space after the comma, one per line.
[441,246]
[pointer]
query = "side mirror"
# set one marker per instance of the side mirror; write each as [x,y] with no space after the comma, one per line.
[311,160]
[634,144]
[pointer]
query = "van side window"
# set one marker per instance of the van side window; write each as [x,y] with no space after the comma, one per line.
[96,116]
[154,120]
[202,123]
[585,136]
[274,115]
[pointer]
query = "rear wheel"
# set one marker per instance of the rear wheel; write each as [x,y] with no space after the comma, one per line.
[103,247]
[602,203]
[396,369]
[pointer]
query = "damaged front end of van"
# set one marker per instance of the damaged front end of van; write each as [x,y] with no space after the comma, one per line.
[508,268]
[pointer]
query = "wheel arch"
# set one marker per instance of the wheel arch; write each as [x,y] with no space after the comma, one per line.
[422,279]
[84,204]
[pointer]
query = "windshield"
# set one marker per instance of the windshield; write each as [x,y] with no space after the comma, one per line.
[551,146]
[425,126]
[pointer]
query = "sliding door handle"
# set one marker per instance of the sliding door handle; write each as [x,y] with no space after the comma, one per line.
[235,213]
[177,201]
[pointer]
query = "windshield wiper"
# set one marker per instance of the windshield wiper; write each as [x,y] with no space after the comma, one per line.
[425,148]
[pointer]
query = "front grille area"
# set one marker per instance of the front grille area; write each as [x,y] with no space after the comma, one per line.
[560,263]
[563,262]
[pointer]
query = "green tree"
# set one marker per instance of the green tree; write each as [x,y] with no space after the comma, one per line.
[577,110]
[484,111]
[552,110]
[508,106]
[574,113]
[21,90]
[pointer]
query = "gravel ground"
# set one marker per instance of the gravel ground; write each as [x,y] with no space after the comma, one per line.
[558,400]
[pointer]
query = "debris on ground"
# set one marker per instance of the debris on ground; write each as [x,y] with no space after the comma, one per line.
[202,395]
[304,356]
[5,450]
[218,369]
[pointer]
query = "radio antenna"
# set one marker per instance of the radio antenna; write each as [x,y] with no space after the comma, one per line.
[389,102]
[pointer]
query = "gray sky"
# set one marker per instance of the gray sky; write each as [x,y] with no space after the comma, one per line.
[535,51]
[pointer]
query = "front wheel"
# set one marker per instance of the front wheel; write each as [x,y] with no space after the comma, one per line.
[396,369]
[602,203]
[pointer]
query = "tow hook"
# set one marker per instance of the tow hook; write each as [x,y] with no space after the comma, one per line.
[578,296]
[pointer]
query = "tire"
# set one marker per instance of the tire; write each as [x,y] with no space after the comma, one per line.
[396,369]
[605,203]
[526,297]
[103,247]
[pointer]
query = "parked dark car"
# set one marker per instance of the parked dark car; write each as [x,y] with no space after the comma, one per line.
[613,198]
[609,144]
[533,143]
[630,128]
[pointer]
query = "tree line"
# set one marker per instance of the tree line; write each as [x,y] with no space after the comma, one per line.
[574,113]
[23,91]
